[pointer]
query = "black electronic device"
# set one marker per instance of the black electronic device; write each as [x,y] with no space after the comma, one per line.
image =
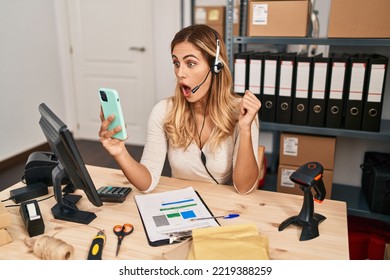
[39,167]
[28,192]
[113,193]
[71,166]
[308,176]
[376,181]
[32,217]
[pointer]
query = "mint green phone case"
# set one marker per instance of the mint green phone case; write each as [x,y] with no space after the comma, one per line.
[109,99]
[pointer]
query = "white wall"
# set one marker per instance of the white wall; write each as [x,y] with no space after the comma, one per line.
[167,20]
[29,72]
[34,66]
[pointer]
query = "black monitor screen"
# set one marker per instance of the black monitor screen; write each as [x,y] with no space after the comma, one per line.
[70,166]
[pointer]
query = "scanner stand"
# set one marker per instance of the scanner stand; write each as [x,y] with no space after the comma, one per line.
[306,217]
[308,176]
[66,208]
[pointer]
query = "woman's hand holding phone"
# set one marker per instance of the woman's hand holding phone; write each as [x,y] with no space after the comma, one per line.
[114,146]
[110,104]
[112,130]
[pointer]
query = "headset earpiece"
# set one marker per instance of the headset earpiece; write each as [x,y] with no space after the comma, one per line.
[218,65]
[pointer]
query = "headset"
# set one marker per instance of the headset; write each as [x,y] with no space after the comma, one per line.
[218,65]
[215,68]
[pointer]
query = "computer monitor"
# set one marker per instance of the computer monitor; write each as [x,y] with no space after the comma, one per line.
[70,167]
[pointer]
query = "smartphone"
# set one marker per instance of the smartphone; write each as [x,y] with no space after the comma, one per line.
[109,99]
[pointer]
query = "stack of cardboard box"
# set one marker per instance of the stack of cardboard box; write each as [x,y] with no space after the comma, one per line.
[5,220]
[299,149]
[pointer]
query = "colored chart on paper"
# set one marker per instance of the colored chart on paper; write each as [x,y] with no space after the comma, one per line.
[173,212]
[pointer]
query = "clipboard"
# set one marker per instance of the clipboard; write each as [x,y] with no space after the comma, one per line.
[171,211]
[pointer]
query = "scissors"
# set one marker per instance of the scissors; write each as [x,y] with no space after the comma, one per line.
[121,232]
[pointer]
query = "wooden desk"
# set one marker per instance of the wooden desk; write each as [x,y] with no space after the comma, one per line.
[264,208]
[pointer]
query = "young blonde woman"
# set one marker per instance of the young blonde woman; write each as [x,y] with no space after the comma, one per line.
[209,133]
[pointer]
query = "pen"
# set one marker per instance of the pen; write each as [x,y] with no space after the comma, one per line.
[230,216]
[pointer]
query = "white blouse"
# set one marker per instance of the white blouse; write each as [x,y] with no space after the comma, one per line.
[186,163]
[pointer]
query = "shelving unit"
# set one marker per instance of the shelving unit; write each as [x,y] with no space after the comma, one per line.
[312,41]
[353,196]
[384,134]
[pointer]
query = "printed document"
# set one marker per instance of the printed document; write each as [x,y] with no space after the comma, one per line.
[172,211]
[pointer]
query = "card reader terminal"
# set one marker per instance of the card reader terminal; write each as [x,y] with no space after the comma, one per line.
[32,217]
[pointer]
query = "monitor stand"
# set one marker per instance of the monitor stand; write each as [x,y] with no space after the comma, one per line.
[66,208]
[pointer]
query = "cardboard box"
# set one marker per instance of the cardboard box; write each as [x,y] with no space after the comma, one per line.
[278,18]
[215,17]
[285,185]
[387,252]
[359,19]
[298,149]
[4,237]
[5,217]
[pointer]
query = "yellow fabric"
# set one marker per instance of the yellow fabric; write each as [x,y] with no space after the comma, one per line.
[233,242]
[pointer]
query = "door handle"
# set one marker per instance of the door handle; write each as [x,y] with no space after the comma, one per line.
[138,49]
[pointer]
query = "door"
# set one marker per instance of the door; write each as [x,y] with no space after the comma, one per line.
[111,44]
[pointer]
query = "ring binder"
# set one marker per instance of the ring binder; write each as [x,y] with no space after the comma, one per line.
[355,77]
[301,91]
[241,72]
[256,72]
[336,92]
[286,81]
[270,87]
[376,72]
[318,93]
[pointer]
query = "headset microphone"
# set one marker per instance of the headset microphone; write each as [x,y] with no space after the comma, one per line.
[198,86]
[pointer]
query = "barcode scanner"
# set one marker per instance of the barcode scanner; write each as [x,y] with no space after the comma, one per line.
[308,176]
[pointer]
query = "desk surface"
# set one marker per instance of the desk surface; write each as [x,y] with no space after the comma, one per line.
[266,209]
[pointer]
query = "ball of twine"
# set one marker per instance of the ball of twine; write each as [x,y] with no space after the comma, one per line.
[50,248]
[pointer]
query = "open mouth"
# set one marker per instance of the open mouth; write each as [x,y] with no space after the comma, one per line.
[186,90]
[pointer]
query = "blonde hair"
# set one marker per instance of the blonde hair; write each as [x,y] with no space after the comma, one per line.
[222,101]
